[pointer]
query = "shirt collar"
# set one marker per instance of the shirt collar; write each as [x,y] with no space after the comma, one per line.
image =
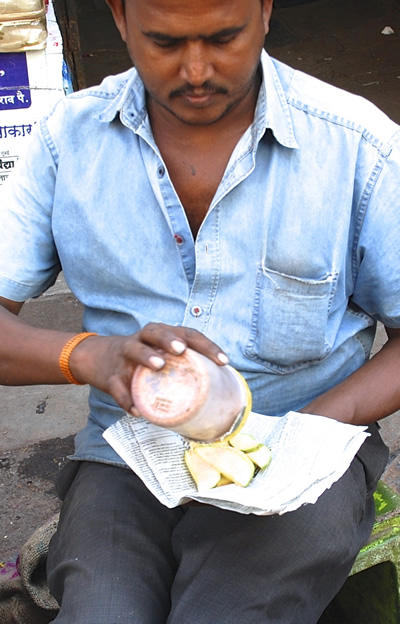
[272,111]
[128,101]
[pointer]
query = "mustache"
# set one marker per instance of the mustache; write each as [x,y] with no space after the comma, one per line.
[206,87]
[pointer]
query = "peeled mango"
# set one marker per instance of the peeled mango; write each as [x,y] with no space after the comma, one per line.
[229,461]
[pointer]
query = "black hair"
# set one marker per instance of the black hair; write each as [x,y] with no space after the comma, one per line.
[123,2]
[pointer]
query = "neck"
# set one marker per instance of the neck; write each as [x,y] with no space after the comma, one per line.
[233,124]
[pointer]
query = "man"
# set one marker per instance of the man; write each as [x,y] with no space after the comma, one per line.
[208,198]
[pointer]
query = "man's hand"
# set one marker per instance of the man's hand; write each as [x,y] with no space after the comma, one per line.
[108,363]
[29,355]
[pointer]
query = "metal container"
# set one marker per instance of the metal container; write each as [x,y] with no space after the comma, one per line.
[15,9]
[23,25]
[192,396]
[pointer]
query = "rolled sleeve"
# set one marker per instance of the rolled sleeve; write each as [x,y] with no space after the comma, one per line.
[28,257]
[377,289]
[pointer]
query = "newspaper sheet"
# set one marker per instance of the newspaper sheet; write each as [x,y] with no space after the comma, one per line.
[309,453]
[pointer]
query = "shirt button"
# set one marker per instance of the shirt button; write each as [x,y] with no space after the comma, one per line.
[196,311]
[179,239]
[160,171]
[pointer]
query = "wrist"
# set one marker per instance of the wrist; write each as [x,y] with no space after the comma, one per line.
[66,354]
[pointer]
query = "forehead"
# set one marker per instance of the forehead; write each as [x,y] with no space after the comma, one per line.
[189,15]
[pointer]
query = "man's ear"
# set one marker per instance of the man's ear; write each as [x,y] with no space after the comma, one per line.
[118,13]
[266,11]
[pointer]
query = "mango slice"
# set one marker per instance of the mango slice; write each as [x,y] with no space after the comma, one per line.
[261,456]
[204,475]
[244,442]
[230,462]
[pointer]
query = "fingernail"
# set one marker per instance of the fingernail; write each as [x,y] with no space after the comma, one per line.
[178,346]
[134,412]
[223,358]
[156,362]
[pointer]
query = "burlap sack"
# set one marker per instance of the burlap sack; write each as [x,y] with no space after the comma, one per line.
[26,599]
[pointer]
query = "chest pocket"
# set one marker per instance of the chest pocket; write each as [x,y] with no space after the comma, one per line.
[290,314]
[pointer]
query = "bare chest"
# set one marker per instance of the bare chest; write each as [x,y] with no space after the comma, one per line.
[196,181]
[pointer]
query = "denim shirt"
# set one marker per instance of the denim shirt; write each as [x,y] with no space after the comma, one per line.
[296,260]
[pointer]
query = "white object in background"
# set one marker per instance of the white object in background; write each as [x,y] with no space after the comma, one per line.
[30,84]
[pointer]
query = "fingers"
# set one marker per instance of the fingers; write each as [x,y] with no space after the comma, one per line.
[109,362]
[198,342]
[175,340]
[120,391]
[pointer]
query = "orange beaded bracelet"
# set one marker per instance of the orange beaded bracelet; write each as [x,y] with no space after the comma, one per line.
[66,354]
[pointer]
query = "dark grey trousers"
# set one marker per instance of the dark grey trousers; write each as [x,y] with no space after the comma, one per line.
[120,557]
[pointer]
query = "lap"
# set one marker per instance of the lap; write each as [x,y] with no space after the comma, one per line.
[262,570]
[120,556]
[110,559]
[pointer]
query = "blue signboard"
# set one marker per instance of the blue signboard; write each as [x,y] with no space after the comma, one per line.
[14,81]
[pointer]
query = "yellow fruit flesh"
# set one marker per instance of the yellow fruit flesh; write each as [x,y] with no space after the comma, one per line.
[261,456]
[244,442]
[230,462]
[204,475]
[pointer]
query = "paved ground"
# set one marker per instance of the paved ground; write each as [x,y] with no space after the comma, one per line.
[340,41]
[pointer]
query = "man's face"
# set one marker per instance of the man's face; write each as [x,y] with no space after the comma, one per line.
[198,59]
